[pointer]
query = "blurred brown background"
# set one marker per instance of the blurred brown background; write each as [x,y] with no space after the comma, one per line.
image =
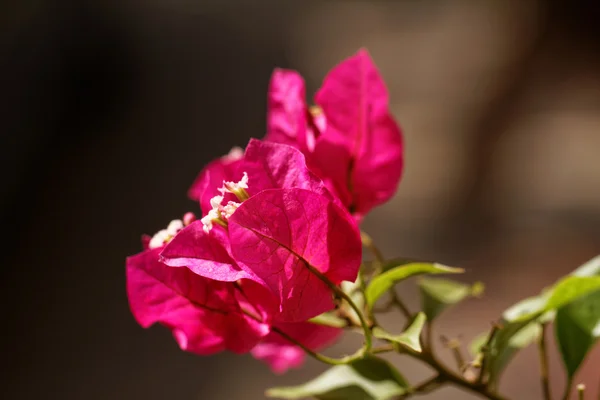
[112,107]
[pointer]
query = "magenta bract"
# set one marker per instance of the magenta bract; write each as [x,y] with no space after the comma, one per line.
[280,234]
[352,142]
[300,222]
[205,316]
[282,355]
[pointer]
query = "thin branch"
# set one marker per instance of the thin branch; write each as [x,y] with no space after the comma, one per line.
[383,349]
[367,241]
[400,304]
[581,391]
[341,294]
[568,389]
[454,346]
[447,375]
[544,371]
[426,386]
[485,351]
[325,359]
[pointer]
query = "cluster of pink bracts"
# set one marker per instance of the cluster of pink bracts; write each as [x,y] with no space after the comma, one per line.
[287,206]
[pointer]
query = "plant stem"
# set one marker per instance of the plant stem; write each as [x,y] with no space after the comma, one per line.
[428,343]
[454,346]
[545,375]
[568,389]
[581,391]
[367,241]
[380,261]
[448,376]
[325,359]
[426,386]
[383,349]
[485,350]
[341,294]
[400,304]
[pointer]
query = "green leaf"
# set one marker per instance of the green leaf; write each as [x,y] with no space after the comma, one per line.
[504,346]
[590,268]
[477,343]
[561,294]
[520,327]
[439,294]
[525,309]
[384,282]
[329,319]
[410,337]
[370,378]
[522,322]
[400,261]
[577,328]
[511,344]
[570,289]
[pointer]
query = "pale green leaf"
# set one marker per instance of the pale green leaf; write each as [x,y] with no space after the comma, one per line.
[410,337]
[329,319]
[577,328]
[384,282]
[439,294]
[590,268]
[370,378]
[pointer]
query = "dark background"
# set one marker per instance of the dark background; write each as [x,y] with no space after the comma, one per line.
[110,109]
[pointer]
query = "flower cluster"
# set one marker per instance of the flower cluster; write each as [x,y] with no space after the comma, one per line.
[279,225]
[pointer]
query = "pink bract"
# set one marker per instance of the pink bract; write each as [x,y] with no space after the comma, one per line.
[305,222]
[282,355]
[205,316]
[353,144]
[281,234]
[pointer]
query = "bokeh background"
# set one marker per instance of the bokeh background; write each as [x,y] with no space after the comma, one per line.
[110,109]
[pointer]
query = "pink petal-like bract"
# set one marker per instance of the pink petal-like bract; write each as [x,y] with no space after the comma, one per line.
[286,109]
[204,315]
[204,254]
[282,355]
[352,142]
[280,234]
[276,166]
[211,179]
[362,149]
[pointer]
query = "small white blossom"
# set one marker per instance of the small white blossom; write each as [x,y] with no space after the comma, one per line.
[207,220]
[174,226]
[158,239]
[229,209]
[234,154]
[215,202]
[163,236]
[233,187]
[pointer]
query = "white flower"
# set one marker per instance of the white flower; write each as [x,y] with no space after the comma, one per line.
[163,236]
[234,154]
[229,209]
[174,226]
[235,187]
[207,221]
[158,239]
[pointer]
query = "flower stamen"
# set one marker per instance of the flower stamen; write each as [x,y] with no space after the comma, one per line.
[219,214]
[164,236]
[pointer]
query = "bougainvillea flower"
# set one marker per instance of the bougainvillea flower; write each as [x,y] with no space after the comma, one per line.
[281,234]
[282,355]
[350,139]
[205,316]
[276,221]
[214,174]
